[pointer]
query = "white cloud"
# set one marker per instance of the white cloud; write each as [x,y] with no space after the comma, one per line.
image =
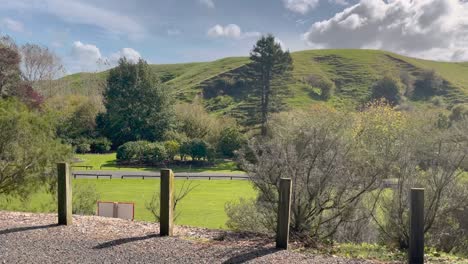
[281,43]
[88,57]
[300,6]
[79,12]
[435,29]
[85,56]
[304,6]
[129,53]
[12,24]
[339,2]
[208,3]
[230,31]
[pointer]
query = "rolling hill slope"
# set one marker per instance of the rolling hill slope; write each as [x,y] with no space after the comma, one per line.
[223,83]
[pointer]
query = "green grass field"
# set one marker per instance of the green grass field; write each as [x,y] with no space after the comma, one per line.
[109,162]
[203,207]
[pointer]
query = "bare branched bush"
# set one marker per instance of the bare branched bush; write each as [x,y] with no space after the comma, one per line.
[85,197]
[430,158]
[153,205]
[245,215]
[342,166]
[333,160]
[195,122]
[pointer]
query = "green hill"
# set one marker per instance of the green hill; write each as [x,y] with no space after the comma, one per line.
[225,87]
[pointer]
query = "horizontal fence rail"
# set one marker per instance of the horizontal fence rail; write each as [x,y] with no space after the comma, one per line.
[143,176]
[88,167]
[91,175]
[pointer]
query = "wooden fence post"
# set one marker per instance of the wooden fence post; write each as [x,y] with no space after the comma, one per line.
[284,212]
[64,194]
[416,240]
[167,202]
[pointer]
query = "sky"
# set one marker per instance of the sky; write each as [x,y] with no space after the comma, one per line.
[85,32]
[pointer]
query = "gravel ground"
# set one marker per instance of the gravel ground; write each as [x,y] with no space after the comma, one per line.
[35,238]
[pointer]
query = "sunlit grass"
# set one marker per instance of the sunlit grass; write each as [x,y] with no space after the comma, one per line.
[109,162]
[203,207]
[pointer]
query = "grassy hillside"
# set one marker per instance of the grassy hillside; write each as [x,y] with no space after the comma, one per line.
[223,82]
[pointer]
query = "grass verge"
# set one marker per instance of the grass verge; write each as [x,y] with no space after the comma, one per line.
[203,207]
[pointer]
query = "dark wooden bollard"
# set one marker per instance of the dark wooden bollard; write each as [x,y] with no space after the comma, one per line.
[64,194]
[167,202]
[284,212]
[416,239]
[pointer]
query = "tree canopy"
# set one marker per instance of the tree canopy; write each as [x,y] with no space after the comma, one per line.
[138,106]
[29,149]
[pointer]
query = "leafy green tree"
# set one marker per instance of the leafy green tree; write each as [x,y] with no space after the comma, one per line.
[29,149]
[172,148]
[230,140]
[268,62]
[387,88]
[197,149]
[81,123]
[138,106]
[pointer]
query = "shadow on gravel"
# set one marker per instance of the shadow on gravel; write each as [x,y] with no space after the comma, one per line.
[121,241]
[250,255]
[25,228]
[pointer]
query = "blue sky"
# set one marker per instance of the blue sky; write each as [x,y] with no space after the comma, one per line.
[172,31]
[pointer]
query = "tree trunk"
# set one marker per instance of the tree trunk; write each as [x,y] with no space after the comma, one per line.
[265,102]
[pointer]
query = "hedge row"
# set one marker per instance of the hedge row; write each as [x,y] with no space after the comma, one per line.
[145,152]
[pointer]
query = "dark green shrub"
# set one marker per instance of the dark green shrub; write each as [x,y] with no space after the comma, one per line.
[132,151]
[197,149]
[82,145]
[430,84]
[230,140]
[101,145]
[327,87]
[141,152]
[154,153]
[387,88]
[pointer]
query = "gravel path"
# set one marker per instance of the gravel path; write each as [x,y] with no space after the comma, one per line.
[35,238]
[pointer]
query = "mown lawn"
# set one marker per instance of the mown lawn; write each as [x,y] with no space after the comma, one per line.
[203,207]
[109,162]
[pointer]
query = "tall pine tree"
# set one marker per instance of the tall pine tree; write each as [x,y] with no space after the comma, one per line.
[269,61]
